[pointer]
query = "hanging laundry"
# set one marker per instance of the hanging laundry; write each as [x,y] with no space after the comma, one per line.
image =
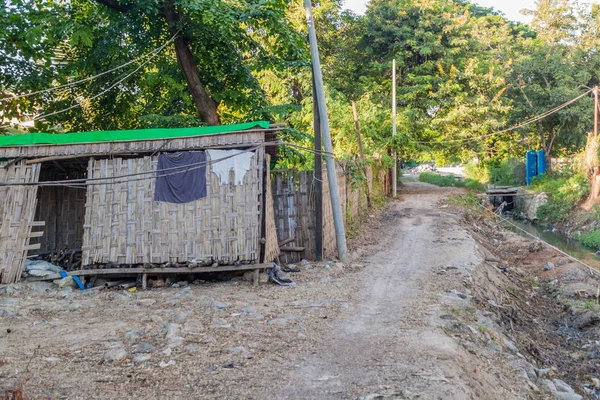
[238,161]
[181,177]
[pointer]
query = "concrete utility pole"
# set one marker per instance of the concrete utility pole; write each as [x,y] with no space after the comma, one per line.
[596,111]
[395,170]
[318,176]
[338,217]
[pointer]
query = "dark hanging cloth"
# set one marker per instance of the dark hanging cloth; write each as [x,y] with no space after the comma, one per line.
[181,177]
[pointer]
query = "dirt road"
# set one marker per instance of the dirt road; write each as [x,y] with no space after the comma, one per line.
[393,341]
[398,322]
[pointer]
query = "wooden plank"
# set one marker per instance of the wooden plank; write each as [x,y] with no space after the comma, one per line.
[163,271]
[293,249]
[35,246]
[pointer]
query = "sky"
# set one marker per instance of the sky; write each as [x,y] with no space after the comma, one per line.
[510,8]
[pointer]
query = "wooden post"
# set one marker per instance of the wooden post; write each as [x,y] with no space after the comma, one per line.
[395,170]
[360,149]
[596,111]
[318,181]
[256,277]
[144,281]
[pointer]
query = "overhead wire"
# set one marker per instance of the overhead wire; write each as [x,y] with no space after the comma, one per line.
[139,176]
[39,117]
[149,54]
[520,125]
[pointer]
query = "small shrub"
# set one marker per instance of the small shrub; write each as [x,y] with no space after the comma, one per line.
[502,173]
[468,201]
[591,239]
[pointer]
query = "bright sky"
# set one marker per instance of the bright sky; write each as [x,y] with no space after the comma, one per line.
[510,8]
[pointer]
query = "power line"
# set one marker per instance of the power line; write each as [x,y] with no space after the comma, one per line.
[520,125]
[39,117]
[149,54]
[110,180]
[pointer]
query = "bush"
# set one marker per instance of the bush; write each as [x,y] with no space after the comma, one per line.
[450,181]
[504,172]
[591,239]
[564,194]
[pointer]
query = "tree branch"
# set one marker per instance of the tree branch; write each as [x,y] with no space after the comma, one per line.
[115,5]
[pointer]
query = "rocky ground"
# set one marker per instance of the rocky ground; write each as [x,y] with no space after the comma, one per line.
[436,302]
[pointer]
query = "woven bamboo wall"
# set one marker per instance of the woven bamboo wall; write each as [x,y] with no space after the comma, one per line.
[271,244]
[124,225]
[18,207]
[293,196]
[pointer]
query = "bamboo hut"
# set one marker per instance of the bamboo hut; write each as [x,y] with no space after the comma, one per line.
[89,199]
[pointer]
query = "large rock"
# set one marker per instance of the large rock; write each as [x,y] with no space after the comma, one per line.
[528,202]
[562,386]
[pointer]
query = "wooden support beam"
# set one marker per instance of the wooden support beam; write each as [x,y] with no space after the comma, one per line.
[361,151]
[13,161]
[286,241]
[163,271]
[256,276]
[292,249]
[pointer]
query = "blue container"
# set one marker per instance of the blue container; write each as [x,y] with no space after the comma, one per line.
[541,162]
[530,166]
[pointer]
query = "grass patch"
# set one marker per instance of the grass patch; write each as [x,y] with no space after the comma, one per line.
[591,239]
[450,181]
[469,201]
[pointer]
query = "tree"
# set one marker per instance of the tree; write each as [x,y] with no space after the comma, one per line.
[219,48]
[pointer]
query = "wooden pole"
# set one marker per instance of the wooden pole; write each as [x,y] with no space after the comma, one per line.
[395,170]
[596,111]
[336,207]
[360,149]
[318,176]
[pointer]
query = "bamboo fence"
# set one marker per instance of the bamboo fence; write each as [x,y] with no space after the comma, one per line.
[294,200]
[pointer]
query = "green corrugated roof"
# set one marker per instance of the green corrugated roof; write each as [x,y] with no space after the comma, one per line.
[33,139]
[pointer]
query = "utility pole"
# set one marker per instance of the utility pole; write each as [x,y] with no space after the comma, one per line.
[395,170]
[596,111]
[338,217]
[318,176]
[362,153]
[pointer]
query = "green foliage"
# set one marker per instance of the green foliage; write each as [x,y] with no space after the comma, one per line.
[46,43]
[503,172]
[463,72]
[564,193]
[591,239]
[450,181]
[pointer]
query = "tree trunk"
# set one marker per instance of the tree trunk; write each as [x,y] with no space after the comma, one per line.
[206,106]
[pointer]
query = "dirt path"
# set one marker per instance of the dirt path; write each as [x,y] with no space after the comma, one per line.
[391,342]
[385,326]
